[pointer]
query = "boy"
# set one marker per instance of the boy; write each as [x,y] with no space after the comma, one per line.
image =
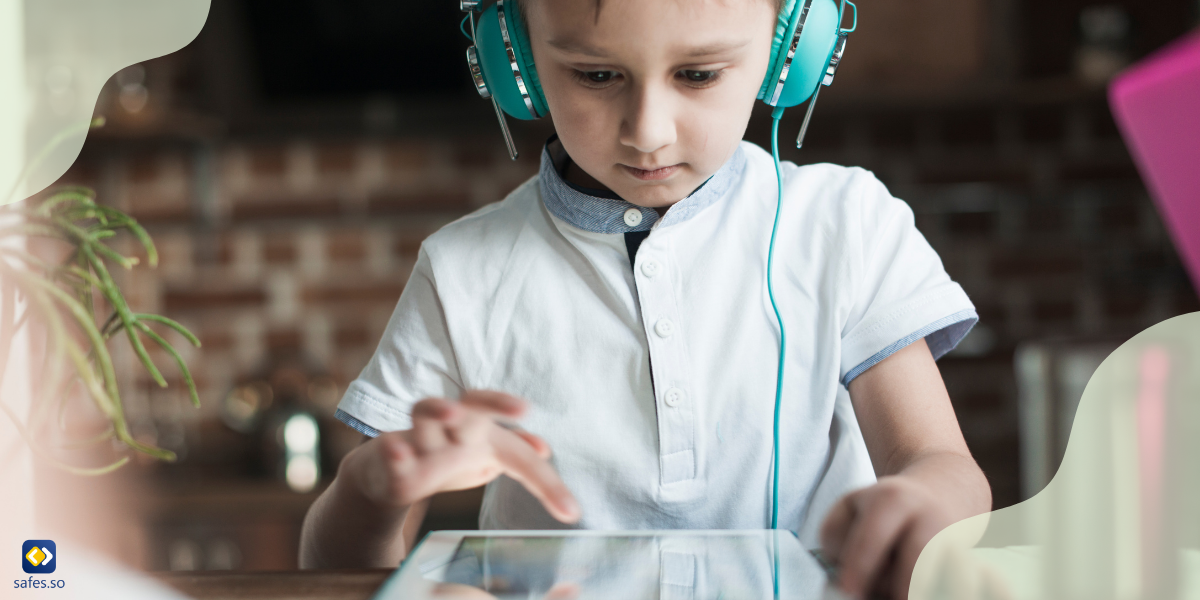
[620,298]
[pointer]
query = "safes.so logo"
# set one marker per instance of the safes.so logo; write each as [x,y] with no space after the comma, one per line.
[38,556]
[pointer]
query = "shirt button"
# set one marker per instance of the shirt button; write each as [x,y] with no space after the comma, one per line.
[673,397]
[650,269]
[633,217]
[664,328]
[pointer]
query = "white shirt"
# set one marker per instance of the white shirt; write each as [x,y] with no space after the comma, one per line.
[654,385]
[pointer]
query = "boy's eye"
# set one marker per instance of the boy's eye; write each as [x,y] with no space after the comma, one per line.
[598,76]
[595,79]
[701,78]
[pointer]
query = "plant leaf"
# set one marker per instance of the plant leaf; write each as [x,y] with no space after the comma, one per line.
[172,324]
[187,375]
[113,293]
[136,229]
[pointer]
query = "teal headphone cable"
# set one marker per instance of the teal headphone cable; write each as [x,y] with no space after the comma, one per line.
[776,115]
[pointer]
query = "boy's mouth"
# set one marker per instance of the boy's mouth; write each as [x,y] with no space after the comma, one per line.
[652,174]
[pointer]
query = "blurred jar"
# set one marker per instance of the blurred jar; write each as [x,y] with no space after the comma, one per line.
[278,409]
[1104,43]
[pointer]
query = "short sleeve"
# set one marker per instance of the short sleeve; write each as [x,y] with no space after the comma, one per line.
[901,290]
[414,360]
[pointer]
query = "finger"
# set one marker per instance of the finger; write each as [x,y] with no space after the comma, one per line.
[870,541]
[479,409]
[384,466]
[836,526]
[460,590]
[537,475]
[538,444]
[430,418]
[469,427]
[446,470]
[437,409]
[906,558]
[564,591]
[497,404]
[885,580]
[902,575]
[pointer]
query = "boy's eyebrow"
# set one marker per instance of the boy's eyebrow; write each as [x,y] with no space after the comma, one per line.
[715,48]
[576,48]
[695,51]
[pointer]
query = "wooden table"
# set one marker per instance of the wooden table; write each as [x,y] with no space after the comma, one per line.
[357,584]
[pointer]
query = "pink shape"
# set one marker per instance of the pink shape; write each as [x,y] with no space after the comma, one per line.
[1157,107]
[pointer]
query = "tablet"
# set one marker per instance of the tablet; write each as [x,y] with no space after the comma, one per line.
[583,565]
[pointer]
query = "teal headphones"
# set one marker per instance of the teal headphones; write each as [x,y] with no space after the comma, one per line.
[808,46]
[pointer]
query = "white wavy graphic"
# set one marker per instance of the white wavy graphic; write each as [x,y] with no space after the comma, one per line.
[55,55]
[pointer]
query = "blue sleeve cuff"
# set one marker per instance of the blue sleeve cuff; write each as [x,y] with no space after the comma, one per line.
[941,336]
[355,424]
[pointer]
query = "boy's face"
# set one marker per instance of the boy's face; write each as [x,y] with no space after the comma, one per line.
[650,84]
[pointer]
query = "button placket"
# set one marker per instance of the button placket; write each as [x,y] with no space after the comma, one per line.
[677,575]
[670,364]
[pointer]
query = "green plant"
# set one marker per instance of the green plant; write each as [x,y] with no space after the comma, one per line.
[66,293]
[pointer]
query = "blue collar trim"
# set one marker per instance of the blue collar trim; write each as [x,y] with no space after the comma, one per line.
[588,211]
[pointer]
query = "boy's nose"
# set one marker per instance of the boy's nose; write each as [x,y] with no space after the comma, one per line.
[649,123]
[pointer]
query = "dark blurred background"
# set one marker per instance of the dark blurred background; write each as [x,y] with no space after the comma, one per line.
[291,159]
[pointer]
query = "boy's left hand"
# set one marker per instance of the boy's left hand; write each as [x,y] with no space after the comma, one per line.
[874,535]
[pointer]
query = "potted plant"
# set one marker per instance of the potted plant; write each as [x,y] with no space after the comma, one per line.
[75,300]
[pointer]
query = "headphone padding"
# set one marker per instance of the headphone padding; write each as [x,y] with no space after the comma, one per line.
[783,30]
[812,56]
[519,35]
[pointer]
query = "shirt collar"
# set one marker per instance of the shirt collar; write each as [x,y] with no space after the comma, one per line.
[601,211]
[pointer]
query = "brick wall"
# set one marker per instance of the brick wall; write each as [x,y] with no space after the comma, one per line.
[272,247]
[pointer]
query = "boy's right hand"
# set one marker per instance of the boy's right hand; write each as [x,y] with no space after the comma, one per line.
[456,446]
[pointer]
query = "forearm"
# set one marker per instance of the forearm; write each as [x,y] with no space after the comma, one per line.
[344,529]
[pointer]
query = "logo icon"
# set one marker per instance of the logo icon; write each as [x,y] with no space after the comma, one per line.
[38,556]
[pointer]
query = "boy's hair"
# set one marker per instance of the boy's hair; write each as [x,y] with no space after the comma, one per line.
[521,6]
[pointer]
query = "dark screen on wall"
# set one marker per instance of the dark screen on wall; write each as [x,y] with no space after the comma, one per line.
[1051,30]
[352,48]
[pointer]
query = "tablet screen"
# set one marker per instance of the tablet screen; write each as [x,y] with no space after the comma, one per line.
[750,565]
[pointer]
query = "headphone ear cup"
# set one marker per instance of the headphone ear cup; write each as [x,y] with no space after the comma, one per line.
[517,90]
[524,52]
[813,51]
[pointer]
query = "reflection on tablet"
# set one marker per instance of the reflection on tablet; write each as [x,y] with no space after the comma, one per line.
[725,565]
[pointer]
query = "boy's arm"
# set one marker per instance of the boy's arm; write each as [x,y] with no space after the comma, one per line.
[359,521]
[344,530]
[927,477]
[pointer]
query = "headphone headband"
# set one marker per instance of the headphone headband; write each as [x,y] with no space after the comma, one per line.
[805,53]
